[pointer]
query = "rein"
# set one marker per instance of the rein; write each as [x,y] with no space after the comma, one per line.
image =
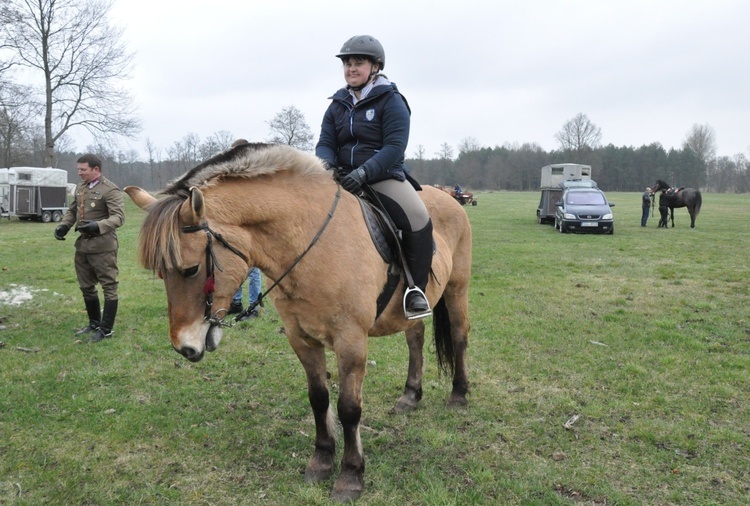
[212,263]
[259,300]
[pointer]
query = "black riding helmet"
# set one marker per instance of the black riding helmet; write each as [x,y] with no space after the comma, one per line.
[364,45]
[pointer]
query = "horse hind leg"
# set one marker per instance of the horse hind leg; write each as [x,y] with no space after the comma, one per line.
[451,328]
[413,389]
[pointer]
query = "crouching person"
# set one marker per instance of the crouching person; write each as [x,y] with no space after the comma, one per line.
[95,213]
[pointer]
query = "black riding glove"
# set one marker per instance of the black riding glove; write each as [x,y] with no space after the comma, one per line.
[88,227]
[354,180]
[61,231]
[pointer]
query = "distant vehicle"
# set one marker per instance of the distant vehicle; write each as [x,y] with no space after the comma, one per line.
[584,210]
[462,197]
[555,178]
[33,193]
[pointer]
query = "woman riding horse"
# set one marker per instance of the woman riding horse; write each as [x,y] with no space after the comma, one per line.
[363,136]
[277,208]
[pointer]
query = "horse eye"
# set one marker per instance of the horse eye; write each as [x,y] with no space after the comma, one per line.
[189,272]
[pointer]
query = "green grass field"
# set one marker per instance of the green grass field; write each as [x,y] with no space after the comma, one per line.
[643,335]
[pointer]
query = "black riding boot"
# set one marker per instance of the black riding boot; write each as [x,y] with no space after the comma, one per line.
[93,309]
[107,323]
[418,254]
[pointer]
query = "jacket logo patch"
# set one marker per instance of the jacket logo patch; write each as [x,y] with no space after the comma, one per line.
[370,114]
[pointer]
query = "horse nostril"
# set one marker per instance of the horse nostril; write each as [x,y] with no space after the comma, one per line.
[190,353]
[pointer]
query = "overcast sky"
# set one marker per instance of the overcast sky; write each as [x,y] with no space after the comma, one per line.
[500,72]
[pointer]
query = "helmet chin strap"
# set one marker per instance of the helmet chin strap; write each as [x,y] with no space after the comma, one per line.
[362,86]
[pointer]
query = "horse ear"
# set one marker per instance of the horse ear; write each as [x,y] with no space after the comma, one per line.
[140,197]
[197,207]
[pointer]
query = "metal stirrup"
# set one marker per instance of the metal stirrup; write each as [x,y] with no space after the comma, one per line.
[416,315]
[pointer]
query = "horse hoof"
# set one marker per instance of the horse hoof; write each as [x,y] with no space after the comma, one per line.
[348,487]
[403,406]
[317,475]
[319,469]
[456,401]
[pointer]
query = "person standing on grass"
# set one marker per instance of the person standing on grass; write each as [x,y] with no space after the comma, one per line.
[96,211]
[253,291]
[663,209]
[645,205]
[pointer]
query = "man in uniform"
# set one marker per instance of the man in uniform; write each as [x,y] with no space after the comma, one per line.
[96,212]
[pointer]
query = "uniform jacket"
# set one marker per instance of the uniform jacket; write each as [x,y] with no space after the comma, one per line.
[103,204]
[372,134]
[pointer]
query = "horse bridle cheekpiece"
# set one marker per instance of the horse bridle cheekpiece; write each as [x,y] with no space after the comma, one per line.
[212,263]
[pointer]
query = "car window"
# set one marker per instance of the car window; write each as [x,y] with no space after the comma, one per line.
[585,199]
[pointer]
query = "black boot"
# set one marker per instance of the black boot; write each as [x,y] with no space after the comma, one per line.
[93,309]
[418,254]
[108,322]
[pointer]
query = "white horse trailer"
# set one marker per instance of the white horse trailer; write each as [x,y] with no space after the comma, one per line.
[33,193]
[552,177]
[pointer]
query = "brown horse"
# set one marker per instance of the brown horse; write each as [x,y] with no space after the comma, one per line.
[682,197]
[278,209]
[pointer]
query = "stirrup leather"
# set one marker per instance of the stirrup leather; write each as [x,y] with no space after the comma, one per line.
[411,315]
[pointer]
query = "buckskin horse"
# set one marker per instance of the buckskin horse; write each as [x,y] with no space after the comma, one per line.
[680,197]
[277,208]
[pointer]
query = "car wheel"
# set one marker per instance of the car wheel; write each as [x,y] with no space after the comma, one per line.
[46,217]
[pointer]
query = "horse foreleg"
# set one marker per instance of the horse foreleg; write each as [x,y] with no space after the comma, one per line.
[312,357]
[352,362]
[671,215]
[413,389]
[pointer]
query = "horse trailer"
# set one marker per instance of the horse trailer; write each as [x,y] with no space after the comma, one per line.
[33,193]
[552,184]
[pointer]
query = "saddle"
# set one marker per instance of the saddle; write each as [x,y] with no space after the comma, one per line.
[387,241]
[675,191]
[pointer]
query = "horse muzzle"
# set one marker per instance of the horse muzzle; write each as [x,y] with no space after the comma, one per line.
[192,343]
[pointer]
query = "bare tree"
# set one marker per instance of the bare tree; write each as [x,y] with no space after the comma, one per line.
[468,145]
[446,152]
[80,59]
[445,155]
[17,114]
[216,143]
[701,140]
[289,127]
[579,135]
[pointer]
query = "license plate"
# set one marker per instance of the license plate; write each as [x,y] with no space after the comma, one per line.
[589,224]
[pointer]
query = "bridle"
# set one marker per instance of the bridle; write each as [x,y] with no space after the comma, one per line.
[212,263]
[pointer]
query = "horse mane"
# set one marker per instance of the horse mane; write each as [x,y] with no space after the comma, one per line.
[159,240]
[246,160]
